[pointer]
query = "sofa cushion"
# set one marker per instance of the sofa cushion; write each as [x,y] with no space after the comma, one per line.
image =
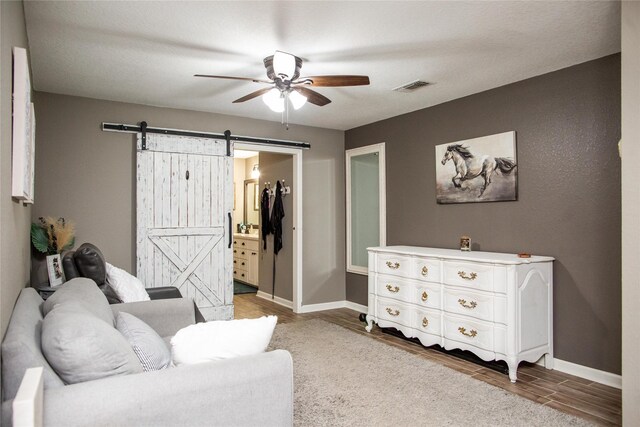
[223,339]
[21,346]
[82,347]
[83,292]
[146,343]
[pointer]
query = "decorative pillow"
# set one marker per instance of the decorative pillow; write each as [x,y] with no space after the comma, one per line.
[85,293]
[128,288]
[218,340]
[146,343]
[82,347]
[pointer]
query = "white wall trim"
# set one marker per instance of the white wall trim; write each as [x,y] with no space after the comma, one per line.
[277,300]
[297,216]
[310,308]
[382,196]
[356,307]
[602,377]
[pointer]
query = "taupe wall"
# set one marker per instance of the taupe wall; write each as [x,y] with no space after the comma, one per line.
[88,175]
[568,128]
[15,218]
[630,212]
[273,168]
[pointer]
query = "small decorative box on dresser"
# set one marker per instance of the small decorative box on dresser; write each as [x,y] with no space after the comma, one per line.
[245,258]
[498,306]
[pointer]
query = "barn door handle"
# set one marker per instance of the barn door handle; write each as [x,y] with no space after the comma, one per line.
[230,231]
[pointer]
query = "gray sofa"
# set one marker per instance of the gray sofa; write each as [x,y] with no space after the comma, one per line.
[246,391]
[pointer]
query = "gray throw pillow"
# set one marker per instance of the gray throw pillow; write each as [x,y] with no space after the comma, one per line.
[85,293]
[82,347]
[146,343]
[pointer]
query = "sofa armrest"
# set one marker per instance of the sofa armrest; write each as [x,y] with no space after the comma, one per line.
[246,391]
[163,292]
[165,316]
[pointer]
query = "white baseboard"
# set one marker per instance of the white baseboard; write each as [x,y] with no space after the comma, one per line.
[356,307]
[332,306]
[602,377]
[277,300]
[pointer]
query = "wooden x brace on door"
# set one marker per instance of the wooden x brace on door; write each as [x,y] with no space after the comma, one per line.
[187,269]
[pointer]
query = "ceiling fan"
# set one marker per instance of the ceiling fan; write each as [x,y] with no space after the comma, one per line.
[285,83]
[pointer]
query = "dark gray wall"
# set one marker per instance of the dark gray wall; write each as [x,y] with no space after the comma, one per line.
[276,167]
[88,176]
[568,128]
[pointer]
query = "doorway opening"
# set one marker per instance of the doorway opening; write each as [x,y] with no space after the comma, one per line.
[257,171]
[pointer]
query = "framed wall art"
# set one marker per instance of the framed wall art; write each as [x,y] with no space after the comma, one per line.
[24,123]
[477,170]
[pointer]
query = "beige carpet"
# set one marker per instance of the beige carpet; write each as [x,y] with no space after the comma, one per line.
[345,379]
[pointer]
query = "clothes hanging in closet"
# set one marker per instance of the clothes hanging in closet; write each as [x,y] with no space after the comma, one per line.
[277,214]
[264,212]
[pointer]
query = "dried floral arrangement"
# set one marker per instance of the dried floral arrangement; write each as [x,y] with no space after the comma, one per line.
[52,236]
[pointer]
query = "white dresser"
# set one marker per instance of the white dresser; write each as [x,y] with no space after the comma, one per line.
[245,258]
[498,306]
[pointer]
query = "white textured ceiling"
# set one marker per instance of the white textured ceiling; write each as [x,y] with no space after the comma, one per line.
[147,52]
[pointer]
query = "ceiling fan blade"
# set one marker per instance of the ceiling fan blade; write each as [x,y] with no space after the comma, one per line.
[312,96]
[253,95]
[248,79]
[334,81]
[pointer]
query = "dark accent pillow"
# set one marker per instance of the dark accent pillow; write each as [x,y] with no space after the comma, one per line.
[91,263]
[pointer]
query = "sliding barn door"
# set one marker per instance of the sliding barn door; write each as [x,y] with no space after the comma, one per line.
[184,203]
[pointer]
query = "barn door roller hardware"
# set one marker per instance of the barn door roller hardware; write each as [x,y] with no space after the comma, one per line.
[226,136]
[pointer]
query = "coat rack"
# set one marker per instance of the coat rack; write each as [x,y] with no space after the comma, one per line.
[284,190]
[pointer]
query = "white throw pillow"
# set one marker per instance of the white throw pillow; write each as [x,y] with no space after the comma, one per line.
[222,339]
[128,288]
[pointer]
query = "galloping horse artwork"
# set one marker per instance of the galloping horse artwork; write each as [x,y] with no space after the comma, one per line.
[477,170]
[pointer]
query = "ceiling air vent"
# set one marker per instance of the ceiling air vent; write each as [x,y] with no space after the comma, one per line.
[411,86]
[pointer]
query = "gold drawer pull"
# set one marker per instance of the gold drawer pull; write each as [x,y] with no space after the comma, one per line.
[471,333]
[425,296]
[425,271]
[393,265]
[471,305]
[393,289]
[471,276]
[393,312]
[425,322]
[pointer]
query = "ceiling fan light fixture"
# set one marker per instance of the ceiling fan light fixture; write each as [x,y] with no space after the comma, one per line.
[297,100]
[274,100]
[284,65]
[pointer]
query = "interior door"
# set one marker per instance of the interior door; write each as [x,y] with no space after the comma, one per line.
[184,203]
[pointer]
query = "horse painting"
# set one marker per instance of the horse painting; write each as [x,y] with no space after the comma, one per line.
[469,167]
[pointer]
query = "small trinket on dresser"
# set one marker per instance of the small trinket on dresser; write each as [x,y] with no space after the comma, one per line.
[524,255]
[465,243]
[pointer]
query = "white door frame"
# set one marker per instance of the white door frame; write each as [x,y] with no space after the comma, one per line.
[296,191]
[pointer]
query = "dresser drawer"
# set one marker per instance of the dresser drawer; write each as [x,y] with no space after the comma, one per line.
[241,263]
[240,274]
[241,253]
[427,295]
[469,303]
[394,311]
[246,244]
[469,331]
[394,287]
[396,265]
[426,270]
[469,275]
[427,321]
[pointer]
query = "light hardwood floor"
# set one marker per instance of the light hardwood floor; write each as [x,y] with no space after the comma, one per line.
[574,395]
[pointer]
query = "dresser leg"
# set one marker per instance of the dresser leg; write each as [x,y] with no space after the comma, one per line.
[513,370]
[369,323]
[548,361]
